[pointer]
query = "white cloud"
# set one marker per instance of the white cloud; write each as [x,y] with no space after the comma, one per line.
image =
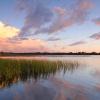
[7,31]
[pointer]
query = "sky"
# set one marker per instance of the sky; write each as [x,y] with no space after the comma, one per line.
[50,25]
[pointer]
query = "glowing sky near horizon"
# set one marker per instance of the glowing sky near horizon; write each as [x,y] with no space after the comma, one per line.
[50,25]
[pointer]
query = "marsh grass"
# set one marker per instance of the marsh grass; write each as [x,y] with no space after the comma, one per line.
[12,71]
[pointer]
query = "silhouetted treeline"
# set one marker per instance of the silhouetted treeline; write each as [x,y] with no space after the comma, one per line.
[46,53]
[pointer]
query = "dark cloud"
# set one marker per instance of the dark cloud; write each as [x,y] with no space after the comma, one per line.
[97,21]
[53,39]
[77,43]
[37,15]
[39,18]
[95,36]
[66,18]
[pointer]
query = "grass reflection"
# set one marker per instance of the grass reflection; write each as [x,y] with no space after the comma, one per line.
[12,71]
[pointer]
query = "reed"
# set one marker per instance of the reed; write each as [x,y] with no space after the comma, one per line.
[12,71]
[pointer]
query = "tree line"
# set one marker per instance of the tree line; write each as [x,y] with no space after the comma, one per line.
[47,53]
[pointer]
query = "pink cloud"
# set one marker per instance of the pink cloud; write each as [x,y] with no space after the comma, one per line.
[23,46]
[68,17]
[97,21]
[39,15]
[59,10]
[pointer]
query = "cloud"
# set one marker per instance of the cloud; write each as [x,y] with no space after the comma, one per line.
[7,31]
[53,39]
[95,36]
[77,43]
[37,15]
[7,42]
[41,19]
[97,21]
[10,43]
[60,11]
[68,17]
[28,45]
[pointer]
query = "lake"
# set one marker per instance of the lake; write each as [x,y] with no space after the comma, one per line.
[50,78]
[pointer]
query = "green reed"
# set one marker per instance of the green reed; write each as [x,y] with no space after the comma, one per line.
[12,71]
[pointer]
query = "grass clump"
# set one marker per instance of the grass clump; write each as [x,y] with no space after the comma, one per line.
[12,71]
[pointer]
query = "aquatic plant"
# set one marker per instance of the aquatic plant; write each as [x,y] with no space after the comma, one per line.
[12,71]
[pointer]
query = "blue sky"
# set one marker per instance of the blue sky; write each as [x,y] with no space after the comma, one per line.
[74,24]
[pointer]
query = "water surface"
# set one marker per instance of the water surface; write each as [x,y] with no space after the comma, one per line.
[81,82]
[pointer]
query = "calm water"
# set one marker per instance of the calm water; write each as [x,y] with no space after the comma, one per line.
[79,83]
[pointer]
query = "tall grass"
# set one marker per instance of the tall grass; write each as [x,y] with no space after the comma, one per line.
[12,71]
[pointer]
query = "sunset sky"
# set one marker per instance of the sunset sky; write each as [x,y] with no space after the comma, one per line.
[50,25]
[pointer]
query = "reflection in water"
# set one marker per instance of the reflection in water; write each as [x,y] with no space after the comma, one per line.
[50,80]
[51,89]
[69,91]
[12,71]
